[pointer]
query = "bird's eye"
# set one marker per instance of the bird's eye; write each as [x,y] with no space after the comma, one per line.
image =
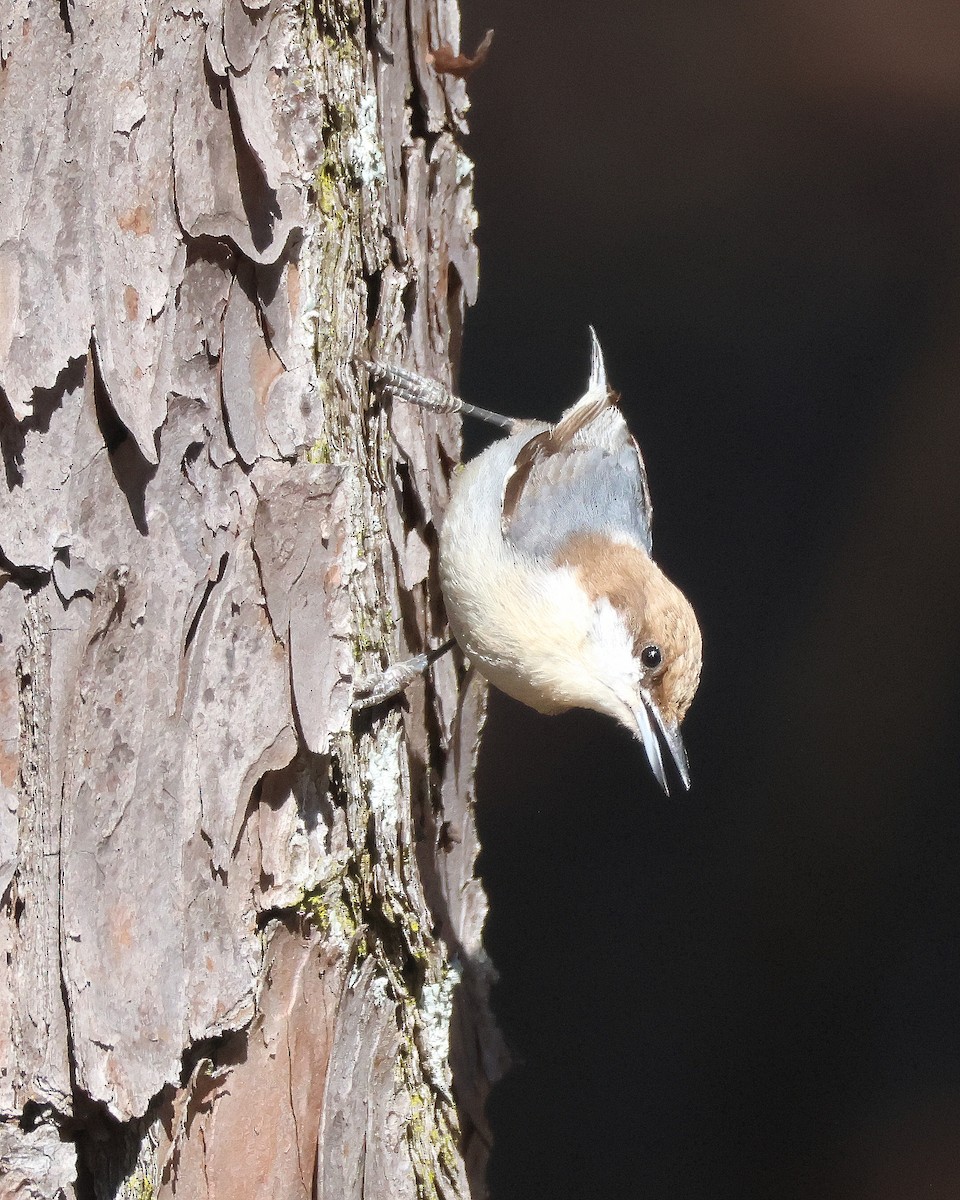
[651,656]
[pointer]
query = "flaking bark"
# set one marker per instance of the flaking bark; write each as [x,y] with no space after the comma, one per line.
[241,928]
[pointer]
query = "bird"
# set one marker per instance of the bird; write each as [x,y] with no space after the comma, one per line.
[547,572]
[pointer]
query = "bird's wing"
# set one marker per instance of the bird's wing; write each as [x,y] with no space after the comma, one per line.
[583,475]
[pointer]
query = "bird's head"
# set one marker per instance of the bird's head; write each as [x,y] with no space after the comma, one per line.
[642,650]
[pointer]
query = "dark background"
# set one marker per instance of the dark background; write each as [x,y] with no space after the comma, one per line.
[754,990]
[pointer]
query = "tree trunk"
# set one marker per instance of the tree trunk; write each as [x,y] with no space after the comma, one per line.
[240,928]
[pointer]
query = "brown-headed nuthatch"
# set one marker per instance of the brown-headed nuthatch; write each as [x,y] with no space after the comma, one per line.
[546,568]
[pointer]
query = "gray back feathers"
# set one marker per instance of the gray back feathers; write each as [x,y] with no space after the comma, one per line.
[583,475]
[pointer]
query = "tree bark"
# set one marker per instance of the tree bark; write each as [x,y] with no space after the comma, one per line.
[240,925]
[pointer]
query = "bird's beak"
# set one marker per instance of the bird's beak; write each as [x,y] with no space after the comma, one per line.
[649,722]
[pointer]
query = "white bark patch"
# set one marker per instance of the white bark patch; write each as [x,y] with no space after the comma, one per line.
[386,786]
[433,1035]
[364,152]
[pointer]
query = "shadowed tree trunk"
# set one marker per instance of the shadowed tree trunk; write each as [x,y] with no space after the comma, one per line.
[240,927]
